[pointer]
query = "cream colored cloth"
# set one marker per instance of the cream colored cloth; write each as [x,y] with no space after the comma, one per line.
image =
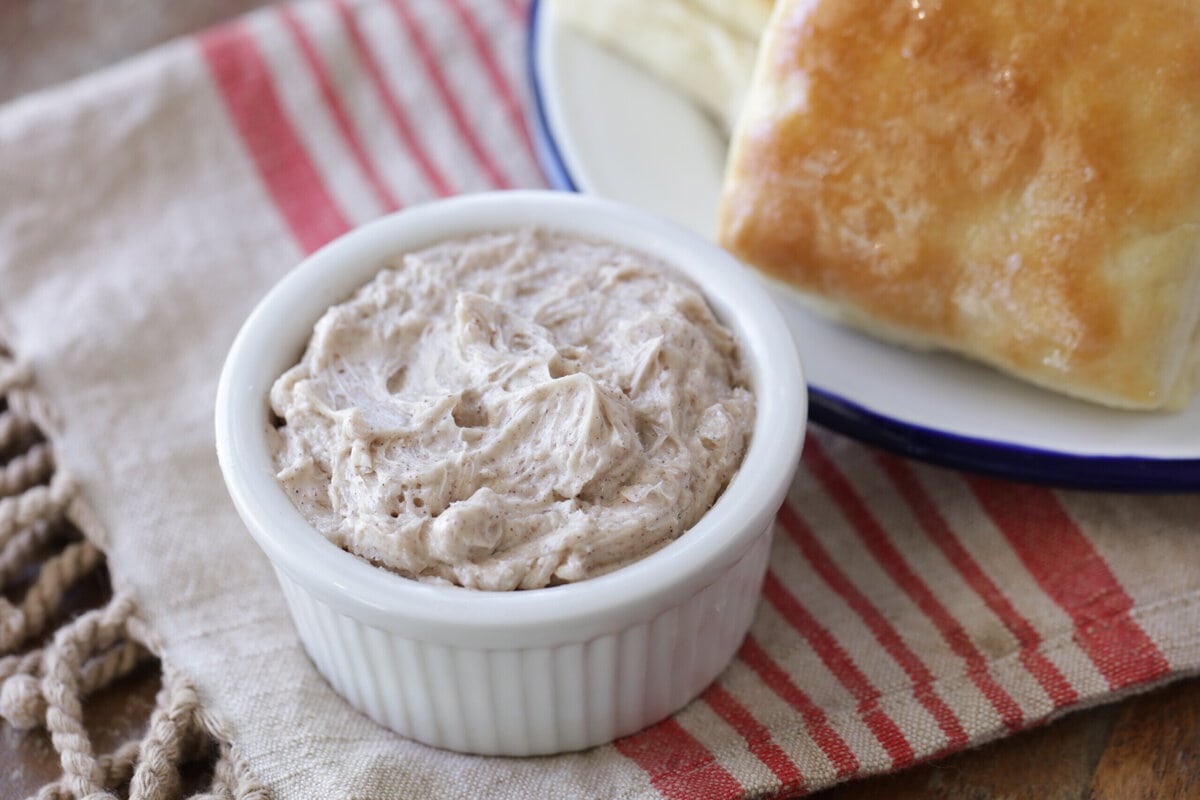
[909,611]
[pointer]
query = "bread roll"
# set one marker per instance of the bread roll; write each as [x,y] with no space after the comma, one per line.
[1018,182]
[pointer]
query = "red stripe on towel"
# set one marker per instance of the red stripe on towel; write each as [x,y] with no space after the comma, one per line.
[815,721]
[872,535]
[487,56]
[758,738]
[1072,573]
[433,68]
[838,662]
[679,766]
[519,8]
[1048,676]
[881,629]
[337,110]
[285,167]
[391,104]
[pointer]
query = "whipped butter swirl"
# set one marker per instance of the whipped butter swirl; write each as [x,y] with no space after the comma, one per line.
[512,411]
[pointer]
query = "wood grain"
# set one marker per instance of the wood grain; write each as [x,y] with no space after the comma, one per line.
[1154,750]
[1053,762]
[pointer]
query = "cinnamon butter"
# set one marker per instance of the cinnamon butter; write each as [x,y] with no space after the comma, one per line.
[512,411]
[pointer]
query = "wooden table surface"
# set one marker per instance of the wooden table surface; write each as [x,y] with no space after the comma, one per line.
[1146,747]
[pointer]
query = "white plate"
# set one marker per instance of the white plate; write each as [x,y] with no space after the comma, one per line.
[607,128]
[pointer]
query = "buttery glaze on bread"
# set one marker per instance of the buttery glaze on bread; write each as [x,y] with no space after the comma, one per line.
[1018,181]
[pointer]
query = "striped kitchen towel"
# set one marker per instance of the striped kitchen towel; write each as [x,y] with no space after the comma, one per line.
[909,611]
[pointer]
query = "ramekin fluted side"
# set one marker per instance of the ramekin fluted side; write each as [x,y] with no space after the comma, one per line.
[534,700]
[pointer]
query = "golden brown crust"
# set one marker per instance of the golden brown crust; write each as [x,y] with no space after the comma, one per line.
[1016,181]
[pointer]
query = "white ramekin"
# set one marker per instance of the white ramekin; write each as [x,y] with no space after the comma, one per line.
[528,672]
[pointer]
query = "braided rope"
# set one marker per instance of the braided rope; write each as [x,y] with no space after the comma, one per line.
[21,701]
[38,503]
[13,374]
[224,778]
[28,469]
[112,665]
[82,774]
[20,664]
[46,594]
[46,687]
[23,549]
[157,772]
[117,767]
[54,791]
[231,770]
[15,428]
[23,704]
[179,729]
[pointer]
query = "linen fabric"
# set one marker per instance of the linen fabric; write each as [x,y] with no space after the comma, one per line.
[909,611]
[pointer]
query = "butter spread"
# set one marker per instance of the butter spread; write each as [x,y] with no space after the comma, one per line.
[513,410]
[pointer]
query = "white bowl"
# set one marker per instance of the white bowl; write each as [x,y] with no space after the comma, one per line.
[524,672]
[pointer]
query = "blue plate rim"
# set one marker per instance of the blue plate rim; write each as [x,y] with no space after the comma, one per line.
[982,456]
